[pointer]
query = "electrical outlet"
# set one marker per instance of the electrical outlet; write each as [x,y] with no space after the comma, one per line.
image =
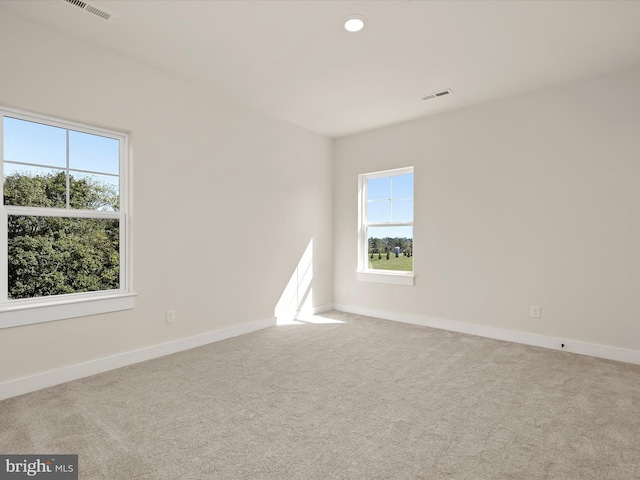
[171,316]
[536,312]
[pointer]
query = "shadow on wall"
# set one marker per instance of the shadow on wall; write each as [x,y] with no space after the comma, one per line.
[297,297]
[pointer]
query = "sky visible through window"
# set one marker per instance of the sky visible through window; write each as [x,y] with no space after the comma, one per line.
[390,199]
[36,149]
[62,197]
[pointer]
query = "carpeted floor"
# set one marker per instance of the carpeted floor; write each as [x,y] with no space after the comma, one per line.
[362,399]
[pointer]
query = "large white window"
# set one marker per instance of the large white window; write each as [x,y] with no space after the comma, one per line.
[63,220]
[385,246]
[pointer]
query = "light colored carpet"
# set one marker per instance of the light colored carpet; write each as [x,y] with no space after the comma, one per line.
[364,399]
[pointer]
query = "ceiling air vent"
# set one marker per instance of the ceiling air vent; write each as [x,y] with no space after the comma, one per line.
[442,93]
[87,7]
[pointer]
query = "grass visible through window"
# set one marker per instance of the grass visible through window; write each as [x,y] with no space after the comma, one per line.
[401,262]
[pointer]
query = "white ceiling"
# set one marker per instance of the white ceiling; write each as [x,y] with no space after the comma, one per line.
[293,59]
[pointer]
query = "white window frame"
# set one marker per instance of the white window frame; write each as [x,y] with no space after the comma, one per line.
[364,273]
[16,312]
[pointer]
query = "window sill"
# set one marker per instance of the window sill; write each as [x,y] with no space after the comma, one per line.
[17,313]
[386,277]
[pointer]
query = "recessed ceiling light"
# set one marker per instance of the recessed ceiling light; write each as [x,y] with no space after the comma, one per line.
[354,23]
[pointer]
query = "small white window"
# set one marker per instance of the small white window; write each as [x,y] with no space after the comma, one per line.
[62,221]
[385,245]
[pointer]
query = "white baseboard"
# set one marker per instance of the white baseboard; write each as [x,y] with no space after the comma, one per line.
[554,343]
[285,317]
[327,307]
[24,385]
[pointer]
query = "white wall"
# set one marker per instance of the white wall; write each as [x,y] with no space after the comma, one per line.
[533,200]
[226,199]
